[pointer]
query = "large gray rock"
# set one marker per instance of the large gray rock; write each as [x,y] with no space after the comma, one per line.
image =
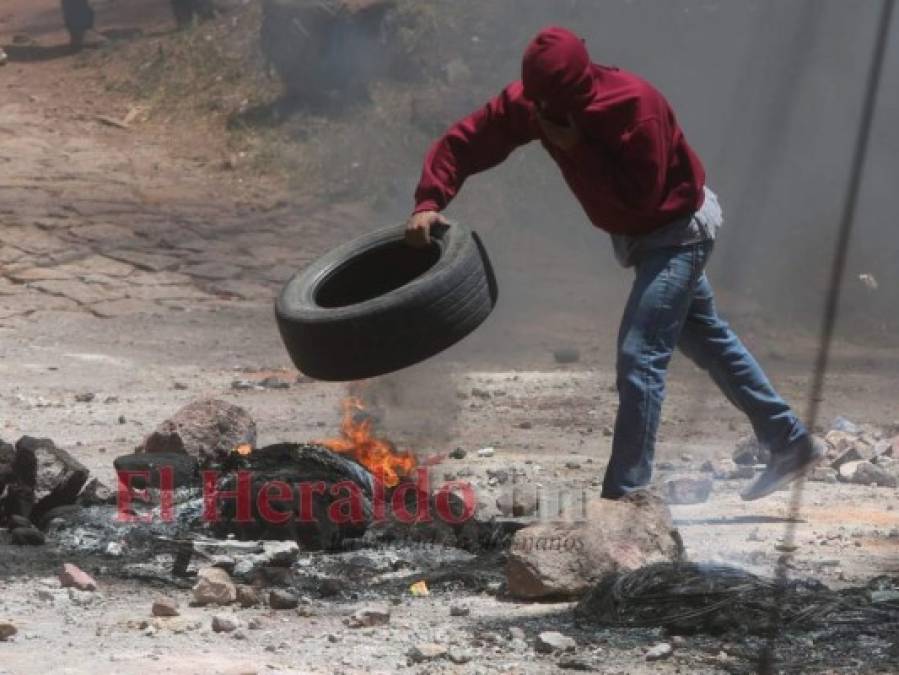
[564,559]
[207,429]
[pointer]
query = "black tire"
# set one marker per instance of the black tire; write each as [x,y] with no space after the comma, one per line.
[375,305]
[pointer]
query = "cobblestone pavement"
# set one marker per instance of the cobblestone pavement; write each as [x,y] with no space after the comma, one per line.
[93,219]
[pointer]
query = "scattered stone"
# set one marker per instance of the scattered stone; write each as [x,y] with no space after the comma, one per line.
[225,623]
[73,577]
[214,587]
[157,470]
[27,536]
[687,490]
[426,651]
[16,521]
[280,553]
[520,502]
[842,424]
[823,474]
[572,465]
[525,425]
[457,453]
[866,473]
[85,397]
[517,633]
[566,558]
[7,630]
[486,452]
[749,451]
[95,493]
[551,641]
[165,607]
[280,599]
[369,616]
[482,394]
[459,610]
[660,651]
[458,656]
[247,596]
[567,355]
[575,663]
[207,429]
[850,454]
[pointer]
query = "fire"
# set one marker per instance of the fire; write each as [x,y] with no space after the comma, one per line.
[375,454]
[244,449]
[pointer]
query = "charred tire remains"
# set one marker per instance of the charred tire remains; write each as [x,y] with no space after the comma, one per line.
[375,305]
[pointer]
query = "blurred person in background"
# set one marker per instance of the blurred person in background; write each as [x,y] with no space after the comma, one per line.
[78,16]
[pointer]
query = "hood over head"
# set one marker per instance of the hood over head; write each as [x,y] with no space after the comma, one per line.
[556,69]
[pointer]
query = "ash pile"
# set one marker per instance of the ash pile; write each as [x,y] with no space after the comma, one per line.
[198,493]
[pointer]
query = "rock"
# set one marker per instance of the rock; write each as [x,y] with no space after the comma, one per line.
[842,424]
[566,355]
[660,651]
[575,663]
[214,587]
[458,656]
[47,477]
[85,397]
[4,58]
[749,451]
[851,454]
[723,469]
[225,623]
[457,453]
[823,474]
[687,490]
[459,610]
[565,559]
[207,429]
[27,536]
[280,553]
[96,493]
[551,641]
[486,452]
[7,630]
[426,651]
[517,633]
[16,521]
[165,607]
[157,470]
[866,473]
[280,599]
[518,503]
[73,577]
[247,596]
[369,616]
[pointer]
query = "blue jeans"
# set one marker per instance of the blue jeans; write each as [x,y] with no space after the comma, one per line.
[672,305]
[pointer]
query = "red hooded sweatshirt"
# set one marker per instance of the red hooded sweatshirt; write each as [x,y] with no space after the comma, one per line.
[632,170]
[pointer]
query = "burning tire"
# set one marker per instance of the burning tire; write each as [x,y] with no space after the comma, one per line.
[375,305]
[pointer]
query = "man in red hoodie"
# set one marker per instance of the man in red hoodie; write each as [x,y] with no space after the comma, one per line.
[625,158]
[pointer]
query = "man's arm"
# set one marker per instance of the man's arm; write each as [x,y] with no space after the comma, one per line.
[480,141]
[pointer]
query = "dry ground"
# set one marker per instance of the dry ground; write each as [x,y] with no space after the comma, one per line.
[127,265]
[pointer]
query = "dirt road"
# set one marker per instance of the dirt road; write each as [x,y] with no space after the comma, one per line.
[145,277]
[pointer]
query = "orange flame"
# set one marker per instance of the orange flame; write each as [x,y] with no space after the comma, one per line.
[375,454]
[244,449]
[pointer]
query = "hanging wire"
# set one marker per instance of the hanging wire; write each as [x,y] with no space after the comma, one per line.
[766,663]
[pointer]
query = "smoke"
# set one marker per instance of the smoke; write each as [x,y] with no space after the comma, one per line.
[769,93]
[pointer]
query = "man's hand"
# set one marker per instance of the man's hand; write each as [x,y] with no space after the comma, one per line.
[418,227]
